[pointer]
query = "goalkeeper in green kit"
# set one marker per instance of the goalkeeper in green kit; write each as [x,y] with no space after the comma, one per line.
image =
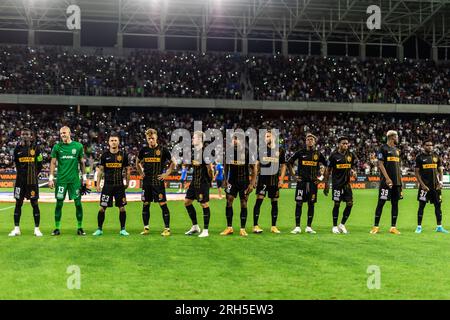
[68,155]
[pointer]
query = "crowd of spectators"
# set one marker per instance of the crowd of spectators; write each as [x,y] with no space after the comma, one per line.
[91,128]
[223,76]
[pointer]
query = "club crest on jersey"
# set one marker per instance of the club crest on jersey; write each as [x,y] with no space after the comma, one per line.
[158,152]
[119,158]
[32,152]
[74,151]
[397,152]
[200,196]
[349,158]
[435,159]
[316,156]
[161,195]
[33,193]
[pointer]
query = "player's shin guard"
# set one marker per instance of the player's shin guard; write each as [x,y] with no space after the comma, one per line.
[146,214]
[36,213]
[394,213]
[122,218]
[166,216]
[58,213]
[229,215]
[335,213]
[243,217]
[298,213]
[347,211]
[206,216]
[192,214]
[438,213]
[18,212]
[274,213]
[379,211]
[256,210]
[310,214]
[79,213]
[100,219]
[420,212]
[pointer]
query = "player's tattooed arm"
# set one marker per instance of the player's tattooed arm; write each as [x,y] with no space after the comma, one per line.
[210,171]
[99,177]
[165,175]
[139,167]
[51,183]
[127,176]
[384,173]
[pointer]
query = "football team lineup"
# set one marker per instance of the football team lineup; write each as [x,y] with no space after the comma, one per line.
[238,177]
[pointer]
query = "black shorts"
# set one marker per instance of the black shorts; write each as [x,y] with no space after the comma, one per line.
[24,191]
[432,196]
[272,190]
[389,194]
[219,183]
[152,193]
[235,189]
[113,192]
[201,194]
[306,192]
[344,193]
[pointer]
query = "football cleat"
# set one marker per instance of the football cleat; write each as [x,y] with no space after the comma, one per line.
[310,230]
[81,232]
[375,230]
[194,229]
[37,232]
[243,233]
[441,229]
[227,231]
[146,231]
[342,229]
[98,232]
[204,234]
[124,232]
[296,230]
[274,229]
[14,233]
[257,229]
[56,232]
[335,230]
[418,229]
[166,232]
[394,230]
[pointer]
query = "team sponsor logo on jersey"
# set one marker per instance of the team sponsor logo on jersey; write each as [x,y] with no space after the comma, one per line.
[430,166]
[270,159]
[393,159]
[195,163]
[152,159]
[26,159]
[68,157]
[238,162]
[113,165]
[343,166]
[32,152]
[309,163]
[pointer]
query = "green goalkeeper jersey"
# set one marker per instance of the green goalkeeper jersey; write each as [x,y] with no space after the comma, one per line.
[68,156]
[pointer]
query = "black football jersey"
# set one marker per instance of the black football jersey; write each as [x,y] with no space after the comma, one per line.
[271,157]
[28,161]
[113,165]
[153,161]
[308,164]
[341,163]
[428,165]
[391,160]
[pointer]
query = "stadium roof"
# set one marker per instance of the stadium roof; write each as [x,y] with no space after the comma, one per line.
[337,21]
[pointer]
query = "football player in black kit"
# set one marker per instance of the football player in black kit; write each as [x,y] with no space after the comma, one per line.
[28,161]
[309,160]
[391,181]
[340,166]
[237,182]
[150,164]
[429,171]
[199,187]
[112,165]
[269,183]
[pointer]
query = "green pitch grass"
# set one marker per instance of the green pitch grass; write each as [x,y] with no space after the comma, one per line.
[266,266]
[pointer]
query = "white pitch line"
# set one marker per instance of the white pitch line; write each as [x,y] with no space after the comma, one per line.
[7,208]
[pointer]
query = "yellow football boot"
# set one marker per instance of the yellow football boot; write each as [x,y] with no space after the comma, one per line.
[227,231]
